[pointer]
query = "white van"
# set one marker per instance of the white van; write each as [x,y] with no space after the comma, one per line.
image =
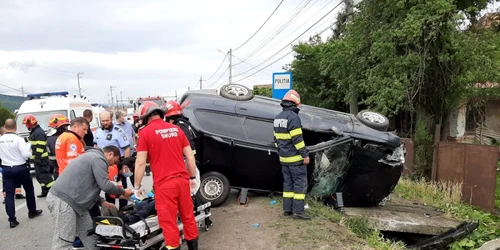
[43,106]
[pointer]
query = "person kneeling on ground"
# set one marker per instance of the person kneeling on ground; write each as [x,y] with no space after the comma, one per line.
[75,192]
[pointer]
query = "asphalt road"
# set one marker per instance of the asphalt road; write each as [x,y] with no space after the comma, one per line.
[34,233]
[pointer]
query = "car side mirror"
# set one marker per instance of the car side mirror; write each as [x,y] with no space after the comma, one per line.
[337,131]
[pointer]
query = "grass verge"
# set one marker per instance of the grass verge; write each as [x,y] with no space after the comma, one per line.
[446,196]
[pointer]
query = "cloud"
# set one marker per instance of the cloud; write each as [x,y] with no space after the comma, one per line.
[146,48]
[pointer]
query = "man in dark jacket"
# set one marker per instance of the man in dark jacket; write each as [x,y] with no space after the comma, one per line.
[40,157]
[174,115]
[293,156]
[89,137]
[60,124]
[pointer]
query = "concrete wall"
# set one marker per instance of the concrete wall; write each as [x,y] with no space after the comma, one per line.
[457,120]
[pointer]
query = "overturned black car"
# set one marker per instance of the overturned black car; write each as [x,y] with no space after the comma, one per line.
[351,156]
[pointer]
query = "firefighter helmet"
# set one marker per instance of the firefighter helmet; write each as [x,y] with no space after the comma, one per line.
[173,108]
[58,120]
[148,107]
[292,96]
[29,120]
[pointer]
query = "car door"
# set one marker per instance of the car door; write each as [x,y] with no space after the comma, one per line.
[255,160]
[217,142]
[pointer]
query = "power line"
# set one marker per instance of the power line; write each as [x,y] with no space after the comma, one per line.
[249,64]
[9,87]
[275,60]
[223,60]
[281,26]
[292,40]
[260,26]
[315,14]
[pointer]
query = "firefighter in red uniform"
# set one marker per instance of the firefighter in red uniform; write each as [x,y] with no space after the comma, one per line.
[166,146]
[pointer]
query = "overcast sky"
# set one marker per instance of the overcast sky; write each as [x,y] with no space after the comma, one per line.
[147,47]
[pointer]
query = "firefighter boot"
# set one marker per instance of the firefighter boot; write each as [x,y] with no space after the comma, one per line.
[44,193]
[301,217]
[192,244]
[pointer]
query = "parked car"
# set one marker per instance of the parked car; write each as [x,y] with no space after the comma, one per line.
[235,148]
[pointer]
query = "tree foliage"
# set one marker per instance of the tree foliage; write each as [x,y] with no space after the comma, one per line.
[263,91]
[397,55]
[4,115]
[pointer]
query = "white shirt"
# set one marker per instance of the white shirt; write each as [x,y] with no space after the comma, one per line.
[14,150]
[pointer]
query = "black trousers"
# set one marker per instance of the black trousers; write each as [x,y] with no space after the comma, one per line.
[294,188]
[13,177]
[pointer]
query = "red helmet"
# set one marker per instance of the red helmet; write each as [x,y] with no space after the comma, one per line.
[58,120]
[173,108]
[292,96]
[29,120]
[148,107]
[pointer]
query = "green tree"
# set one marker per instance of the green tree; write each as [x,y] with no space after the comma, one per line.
[263,91]
[4,115]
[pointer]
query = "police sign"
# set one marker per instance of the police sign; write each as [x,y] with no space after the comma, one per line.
[282,82]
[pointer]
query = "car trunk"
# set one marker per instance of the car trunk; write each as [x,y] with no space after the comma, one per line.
[340,165]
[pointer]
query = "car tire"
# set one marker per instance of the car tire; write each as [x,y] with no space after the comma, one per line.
[236,92]
[214,188]
[373,120]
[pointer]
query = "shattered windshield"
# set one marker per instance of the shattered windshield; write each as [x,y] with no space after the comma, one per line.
[331,165]
[42,118]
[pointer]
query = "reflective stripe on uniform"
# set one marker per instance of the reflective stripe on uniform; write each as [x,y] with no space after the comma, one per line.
[282,136]
[35,143]
[40,150]
[49,184]
[52,157]
[295,132]
[288,194]
[300,145]
[291,159]
[46,154]
[299,196]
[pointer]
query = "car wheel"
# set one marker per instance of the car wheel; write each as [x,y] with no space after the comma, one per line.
[214,188]
[236,92]
[373,120]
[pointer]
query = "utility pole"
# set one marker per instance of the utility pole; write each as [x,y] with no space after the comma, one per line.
[78,76]
[230,66]
[176,95]
[121,99]
[117,105]
[353,102]
[201,84]
[111,94]
[22,90]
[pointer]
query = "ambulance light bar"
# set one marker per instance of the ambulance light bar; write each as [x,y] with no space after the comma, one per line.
[33,96]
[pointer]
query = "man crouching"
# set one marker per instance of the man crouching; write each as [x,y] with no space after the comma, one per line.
[75,192]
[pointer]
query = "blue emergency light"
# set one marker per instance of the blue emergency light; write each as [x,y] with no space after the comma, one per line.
[62,93]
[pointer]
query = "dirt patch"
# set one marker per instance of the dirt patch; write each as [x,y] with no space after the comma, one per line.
[235,227]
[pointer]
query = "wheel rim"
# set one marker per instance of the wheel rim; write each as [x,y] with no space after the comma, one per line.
[236,90]
[374,117]
[212,188]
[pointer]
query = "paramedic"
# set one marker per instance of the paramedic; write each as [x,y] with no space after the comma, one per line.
[14,151]
[127,128]
[165,145]
[69,144]
[174,115]
[293,155]
[89,137]
[108,134]
[60,123]
[19,191]
[72,196]
[40,156]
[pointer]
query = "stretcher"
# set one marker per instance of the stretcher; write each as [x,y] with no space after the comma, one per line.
[113,233]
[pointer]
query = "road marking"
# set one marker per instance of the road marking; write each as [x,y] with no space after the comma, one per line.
[20,206]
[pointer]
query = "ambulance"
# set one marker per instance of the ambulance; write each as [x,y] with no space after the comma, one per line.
[43,106]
